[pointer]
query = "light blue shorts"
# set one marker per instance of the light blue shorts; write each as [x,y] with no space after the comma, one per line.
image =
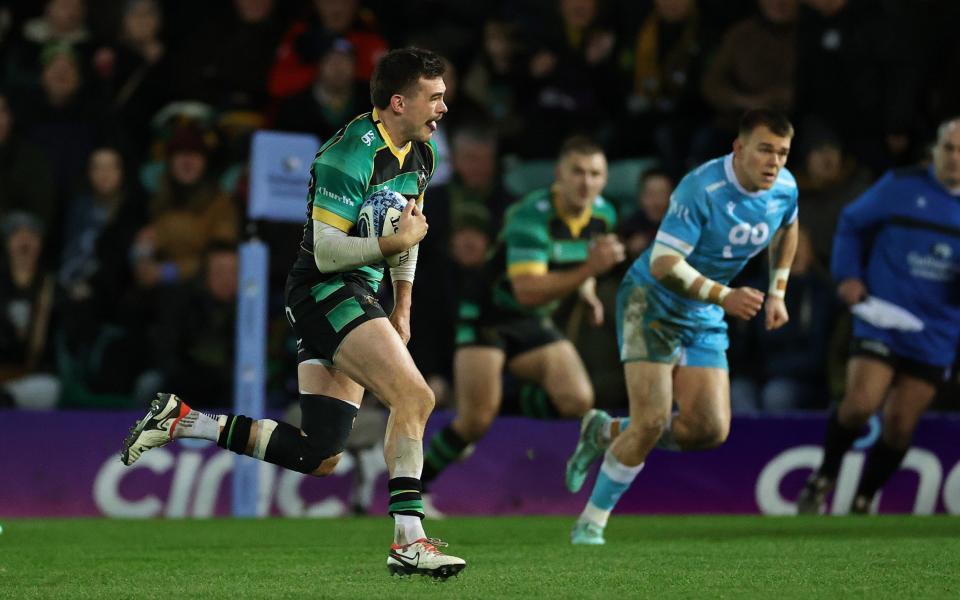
[652,328]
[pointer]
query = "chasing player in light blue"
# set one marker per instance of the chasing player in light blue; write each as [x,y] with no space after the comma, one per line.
[670,309]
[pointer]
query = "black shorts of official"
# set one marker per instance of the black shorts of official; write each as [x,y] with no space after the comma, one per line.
[935,375]
[323,314]
[513,336]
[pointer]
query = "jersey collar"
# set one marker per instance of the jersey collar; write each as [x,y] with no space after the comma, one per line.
[400,153]
[575,223]
[732,177]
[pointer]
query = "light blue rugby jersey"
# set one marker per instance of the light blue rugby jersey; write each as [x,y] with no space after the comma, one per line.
[718,226]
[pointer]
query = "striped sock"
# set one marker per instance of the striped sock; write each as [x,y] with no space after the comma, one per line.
[535,403]
[612,481]
[405,497]
[446,446]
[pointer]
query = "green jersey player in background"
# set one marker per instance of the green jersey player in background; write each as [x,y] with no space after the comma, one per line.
[553,243]
[346,343]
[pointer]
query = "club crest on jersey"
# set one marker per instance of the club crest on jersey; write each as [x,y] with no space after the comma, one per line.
[421,181]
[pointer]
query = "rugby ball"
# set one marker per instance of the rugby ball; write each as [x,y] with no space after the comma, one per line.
[380,216]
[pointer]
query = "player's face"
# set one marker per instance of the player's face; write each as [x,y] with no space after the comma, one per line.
[423,108]
[581,178]
[759,156]
[946,156]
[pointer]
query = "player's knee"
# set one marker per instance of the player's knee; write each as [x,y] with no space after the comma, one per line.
[575,402]
[327,466]
[415,404]
[713,434]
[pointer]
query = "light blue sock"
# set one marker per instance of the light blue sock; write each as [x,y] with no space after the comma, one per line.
[612,481]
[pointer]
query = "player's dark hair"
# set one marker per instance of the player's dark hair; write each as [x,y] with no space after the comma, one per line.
[579,144]
[400,69]
[776,122]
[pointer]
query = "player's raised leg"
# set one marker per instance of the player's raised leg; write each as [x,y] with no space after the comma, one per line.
[329,401]
[403,389]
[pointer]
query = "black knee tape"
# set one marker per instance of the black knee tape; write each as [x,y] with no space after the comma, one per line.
[327,420]
[235,434]
[326,426]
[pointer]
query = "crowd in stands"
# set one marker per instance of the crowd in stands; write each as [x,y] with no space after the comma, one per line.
[124,140]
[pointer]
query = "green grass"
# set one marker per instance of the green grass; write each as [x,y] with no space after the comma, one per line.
[645,557]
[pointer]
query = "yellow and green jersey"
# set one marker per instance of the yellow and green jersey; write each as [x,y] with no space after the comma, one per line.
[357,161]
[539,237]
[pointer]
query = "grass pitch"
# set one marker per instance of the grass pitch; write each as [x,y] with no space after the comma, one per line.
[521,557]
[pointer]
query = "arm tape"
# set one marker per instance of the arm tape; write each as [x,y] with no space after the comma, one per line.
[334,250]
[778,282]
[709,290]
[406,271]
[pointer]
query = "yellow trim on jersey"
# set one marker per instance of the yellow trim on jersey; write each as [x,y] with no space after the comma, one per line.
[400,153]
[575,223]
[527,268]
[325,216]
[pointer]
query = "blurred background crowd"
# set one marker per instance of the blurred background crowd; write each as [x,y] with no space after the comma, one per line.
[124,140]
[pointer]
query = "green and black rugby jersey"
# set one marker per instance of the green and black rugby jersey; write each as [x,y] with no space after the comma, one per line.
[356,162]
[537,237]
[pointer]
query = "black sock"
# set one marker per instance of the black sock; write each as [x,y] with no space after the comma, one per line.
[837,441]
[882,462]
[405,498]
[445,447]
[235,434]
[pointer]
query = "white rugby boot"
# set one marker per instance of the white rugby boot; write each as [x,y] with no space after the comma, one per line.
[153,430]
[421,557]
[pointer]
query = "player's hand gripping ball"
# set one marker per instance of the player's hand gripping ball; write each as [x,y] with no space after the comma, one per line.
[380,217]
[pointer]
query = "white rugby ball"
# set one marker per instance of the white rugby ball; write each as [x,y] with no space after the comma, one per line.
[380,217]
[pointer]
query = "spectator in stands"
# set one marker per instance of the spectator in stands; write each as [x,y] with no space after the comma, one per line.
[464,215]
[491,80]
[196,327]
[662,61]
[26,183]
[294,68]
[752,68]
[26,311]
[62,119]
[571,76]
[94,275]
[828,179]
[134,72]
[856,69]
[653,198]
[62,22]
[332,100]
[187,213]
[226,62]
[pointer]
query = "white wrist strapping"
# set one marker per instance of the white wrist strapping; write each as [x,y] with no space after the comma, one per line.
[334,250]
[406,271]
[778,282]
[709,290]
